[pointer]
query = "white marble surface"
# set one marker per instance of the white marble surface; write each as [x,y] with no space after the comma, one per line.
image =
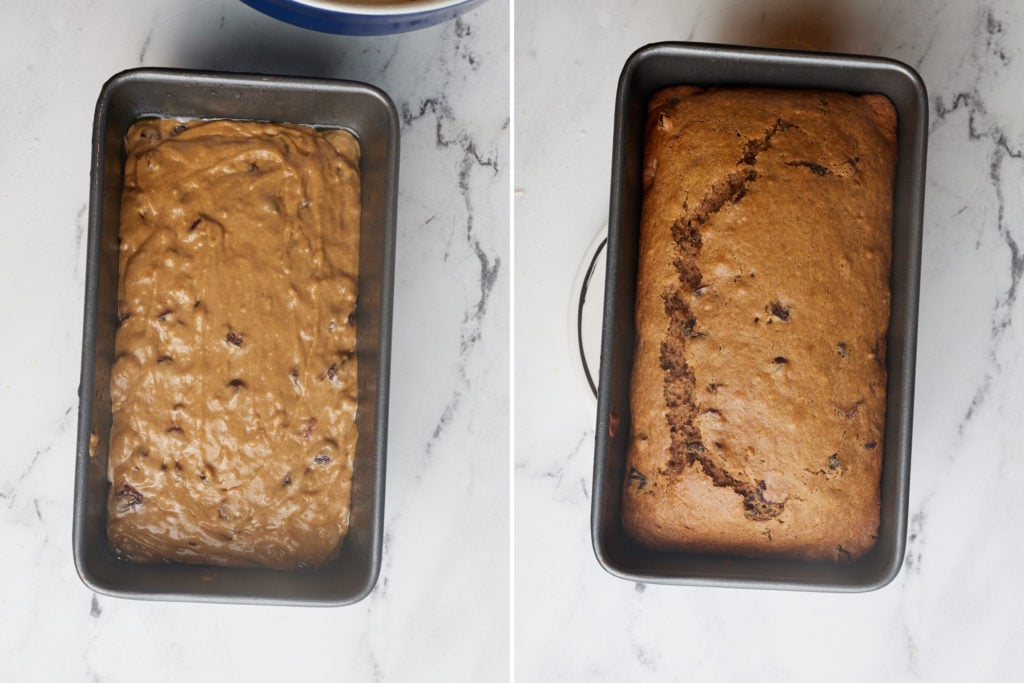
[441,609]
[953,613]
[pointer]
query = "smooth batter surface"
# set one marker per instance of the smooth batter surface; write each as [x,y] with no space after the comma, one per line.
[758,392]
[234,385]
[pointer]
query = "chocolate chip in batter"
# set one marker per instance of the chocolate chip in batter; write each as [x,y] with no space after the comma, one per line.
[287,480]
[164,359]
[294,375]
[332,372]
[195,224]
[237,384]
[833,461]
[130,495]
[307,430]
[780,360]
[841,349]
[179,129]
[322,459]
[234,338]
[871,445]
[149,133]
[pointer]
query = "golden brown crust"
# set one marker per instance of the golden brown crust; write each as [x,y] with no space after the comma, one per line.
[758,390]
[234,386]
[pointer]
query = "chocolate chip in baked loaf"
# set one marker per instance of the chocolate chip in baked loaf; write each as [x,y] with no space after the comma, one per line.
[237,384]
[351,319]
[636,478]
[287,480]
[778,310]
[234,338]
[871,445]
[848,413]
[841,349]
[780,360]
[332,372]
[195,224]
[833,461]
[122,313]
[164,359]
[322,459]
[179,129]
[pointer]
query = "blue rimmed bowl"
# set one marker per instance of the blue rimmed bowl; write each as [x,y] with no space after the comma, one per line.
[363,17]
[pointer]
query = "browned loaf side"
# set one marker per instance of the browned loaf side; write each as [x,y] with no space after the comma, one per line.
[758,389]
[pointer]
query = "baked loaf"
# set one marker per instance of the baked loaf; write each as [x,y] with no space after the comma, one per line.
[758,387]
[234,385]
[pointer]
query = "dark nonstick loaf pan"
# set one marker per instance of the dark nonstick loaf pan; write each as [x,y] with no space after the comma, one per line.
[371,116]
[666,64]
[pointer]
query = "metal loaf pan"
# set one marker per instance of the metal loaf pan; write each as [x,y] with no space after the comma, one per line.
[661,65]
[370,114]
